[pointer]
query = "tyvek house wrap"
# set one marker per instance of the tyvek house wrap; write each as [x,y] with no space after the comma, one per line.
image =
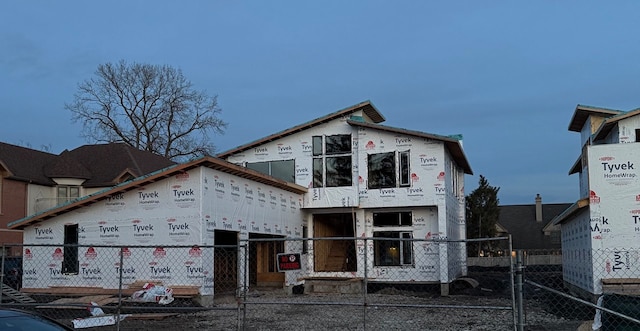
[182,210]
[604,241]
[430,196]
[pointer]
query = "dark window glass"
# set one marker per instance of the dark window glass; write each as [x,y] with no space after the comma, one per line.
[262,167]
[389,250]
[382,170]
[317,145]
[339,171]
[392,219]
[407,248]
[405,177]
[338,144]
[318,170]
[305,235]
[285,170]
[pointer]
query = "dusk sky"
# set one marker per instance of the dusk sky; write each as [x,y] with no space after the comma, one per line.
[506,75]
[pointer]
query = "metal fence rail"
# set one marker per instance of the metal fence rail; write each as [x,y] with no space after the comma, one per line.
[601,291]
[344,283]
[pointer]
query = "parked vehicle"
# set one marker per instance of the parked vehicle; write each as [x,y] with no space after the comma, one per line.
[21,320]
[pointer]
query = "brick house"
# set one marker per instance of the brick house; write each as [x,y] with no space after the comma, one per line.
[32,181]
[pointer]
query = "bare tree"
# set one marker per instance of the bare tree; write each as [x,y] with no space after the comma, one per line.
[150,107]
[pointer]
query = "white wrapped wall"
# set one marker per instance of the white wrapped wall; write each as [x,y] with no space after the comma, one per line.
[183,210]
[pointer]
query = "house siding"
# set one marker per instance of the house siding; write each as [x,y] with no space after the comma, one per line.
[14,204]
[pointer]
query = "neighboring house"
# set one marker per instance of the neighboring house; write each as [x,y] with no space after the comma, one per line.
[32,181]
[530,226]
[370,180]
[600,232]
[159,226]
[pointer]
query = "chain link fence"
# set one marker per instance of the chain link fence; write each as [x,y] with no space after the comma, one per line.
[378,283]
[593,290]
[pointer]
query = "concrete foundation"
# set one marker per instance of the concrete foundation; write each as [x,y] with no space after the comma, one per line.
[346,286]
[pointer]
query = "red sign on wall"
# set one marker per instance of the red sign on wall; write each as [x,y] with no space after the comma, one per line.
[289,261]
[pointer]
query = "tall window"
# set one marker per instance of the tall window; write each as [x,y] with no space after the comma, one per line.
[68,193]
[383,172]
[391,250]
[332,161]
[282,169]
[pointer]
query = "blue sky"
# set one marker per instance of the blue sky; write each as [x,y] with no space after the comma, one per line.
[507,75]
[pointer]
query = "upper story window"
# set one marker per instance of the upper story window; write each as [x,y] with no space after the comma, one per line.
[386,170]
[392,219]
[332,161]
[282,169]
[68,193]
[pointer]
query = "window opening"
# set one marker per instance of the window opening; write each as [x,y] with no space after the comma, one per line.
[392,219]
[393,248]
[388,170]
[332,162]
[282,169]
[68,193]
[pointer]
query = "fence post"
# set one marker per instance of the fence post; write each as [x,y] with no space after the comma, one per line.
[119,308]
[365,284]
[519,303]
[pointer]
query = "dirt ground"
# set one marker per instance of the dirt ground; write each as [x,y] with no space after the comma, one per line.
[485,307]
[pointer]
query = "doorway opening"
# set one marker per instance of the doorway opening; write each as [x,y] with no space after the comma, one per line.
[334,255]
[225,259]
[263,270]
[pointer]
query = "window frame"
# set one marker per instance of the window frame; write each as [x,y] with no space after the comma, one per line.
[329,161]
[402,245]
[401,170]
[67,196]
[381,219]
[270,166]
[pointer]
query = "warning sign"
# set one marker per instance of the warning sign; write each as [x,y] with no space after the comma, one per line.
[289,261]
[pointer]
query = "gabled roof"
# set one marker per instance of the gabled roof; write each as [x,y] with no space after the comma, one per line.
[367,107]
[99,165]
[108,161]
[207,161]
[526,232]
[611,122]
[582,113]
[452,144]
[25,164]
